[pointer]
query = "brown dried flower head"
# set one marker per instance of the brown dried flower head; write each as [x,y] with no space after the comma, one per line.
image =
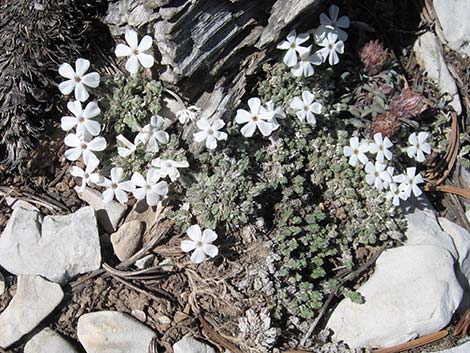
[374,57]
[408,104]
[386,124]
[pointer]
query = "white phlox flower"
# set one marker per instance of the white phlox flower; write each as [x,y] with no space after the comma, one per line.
[80,145]
[127,149]
[306,107]
[83,118]
[331,47]
[116,187]
[189,114]
[151,134]
[335,23]
[395,194]
[380,147]
[277,113]
[200,244]
[419,146]
[137,52]
[376,174]
[149,188]
[210,132]
[78,79]
[304,66]
[356,151]
[87,176]
[293,46]
[258,117]
[169,167]
[389,180]
[409,182]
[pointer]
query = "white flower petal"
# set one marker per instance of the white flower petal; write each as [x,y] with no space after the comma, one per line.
[97,144]
[211,142]
[116,174]
[200,136]
[145,43]
[131,38]
[121,195]
[208,236]
[122,50]
[210,250]
[77,172]
[65,70]
[264,127]
[68,122]
[67,87]
[108,195]
[80,92]
[198,256]
[243,116]
[194,232]
[132,64]
[81,66]
[91,80]
[138,179]
[146,60]
[188,245]
[73,154]
[249,129]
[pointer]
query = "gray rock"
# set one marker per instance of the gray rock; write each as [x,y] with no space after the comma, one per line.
[56,247]
[113,332]
[283,14]
[429,55]
[134,13]
[423,227]
[34,300]
[190,345]
[128,239]
[453,17]
[414,291]
[108,214]
[461,238]
[464,348]
[48,341]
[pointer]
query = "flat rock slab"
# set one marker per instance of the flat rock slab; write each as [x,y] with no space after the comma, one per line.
[34,300]
[108,214]
[191,345]
[55,247]
[453,17]
[413,292]
[430,56]
[113,332]
[48,341]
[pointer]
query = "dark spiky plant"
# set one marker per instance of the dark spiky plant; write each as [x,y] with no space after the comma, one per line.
[35,37]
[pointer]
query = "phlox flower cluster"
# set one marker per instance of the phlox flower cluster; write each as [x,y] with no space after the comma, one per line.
[329,37]
[377,158]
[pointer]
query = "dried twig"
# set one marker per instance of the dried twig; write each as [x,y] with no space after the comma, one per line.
[163,294]
[52,205]
[415,343]
[448,161]
[347,277]
[215,337]
[462,325]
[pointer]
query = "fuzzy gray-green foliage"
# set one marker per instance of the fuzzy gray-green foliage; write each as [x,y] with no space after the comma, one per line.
[131,104]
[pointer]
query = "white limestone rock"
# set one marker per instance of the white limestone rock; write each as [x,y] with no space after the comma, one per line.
[113,332]
[413,292]
[190,345]
[34,300]
[48,341]
[56,247]
[128,239]
[429,55]
[453,17]
[108,214]
[3,285]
